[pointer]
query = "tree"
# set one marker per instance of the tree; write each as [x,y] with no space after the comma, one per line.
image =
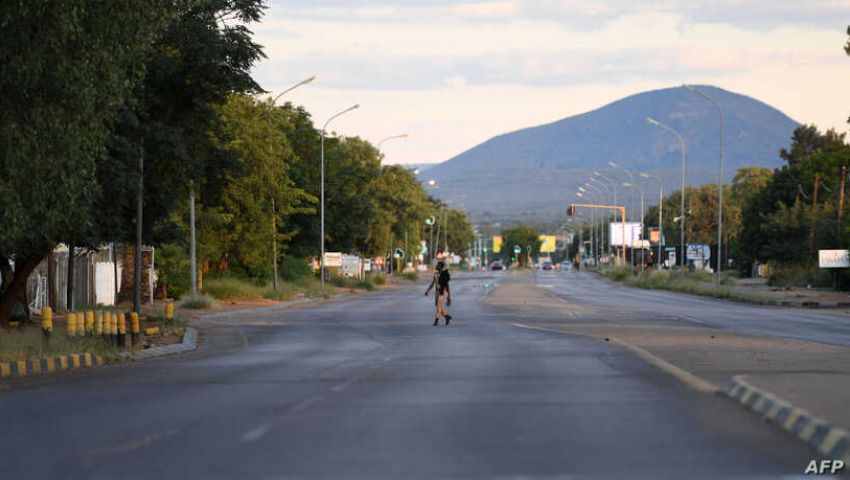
[523,236]
[67,68]
[258,190]
[400,206]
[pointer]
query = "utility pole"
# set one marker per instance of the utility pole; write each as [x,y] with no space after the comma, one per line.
[274,244]
[193,274]
[842,183]
[813,216]
[137,280]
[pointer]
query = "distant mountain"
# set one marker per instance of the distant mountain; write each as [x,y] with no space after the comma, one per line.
[532,174]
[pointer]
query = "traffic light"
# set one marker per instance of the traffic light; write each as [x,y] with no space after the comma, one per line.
[571,211]
[399,253]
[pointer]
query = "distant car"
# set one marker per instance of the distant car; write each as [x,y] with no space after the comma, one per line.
[547,266]
[497,266]
[566,266]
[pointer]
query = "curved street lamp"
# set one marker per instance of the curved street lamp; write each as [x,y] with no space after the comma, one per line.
[322,156]
[660,212]
[682,248]
[714,102]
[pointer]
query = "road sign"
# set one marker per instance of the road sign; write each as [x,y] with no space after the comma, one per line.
[399,253]
[497,243]
[517,249]
[333,259]
[834,258]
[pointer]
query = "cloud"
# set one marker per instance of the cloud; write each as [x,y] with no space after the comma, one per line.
[459,72]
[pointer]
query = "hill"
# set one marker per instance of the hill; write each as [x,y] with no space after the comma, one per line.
[530,175]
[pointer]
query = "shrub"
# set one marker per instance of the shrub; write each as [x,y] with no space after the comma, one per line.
[173,269]
[412,276]
[231,288]
[199,302]
[379,279]
[294,268]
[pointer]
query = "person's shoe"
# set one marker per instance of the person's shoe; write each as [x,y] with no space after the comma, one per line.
[436,322]
[448,319]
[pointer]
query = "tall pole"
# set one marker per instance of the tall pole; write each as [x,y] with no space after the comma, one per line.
[274,212]
[137,283]
[274,244]
[192,252]
[322,215]
[714,102]
[682,247]
[660,214]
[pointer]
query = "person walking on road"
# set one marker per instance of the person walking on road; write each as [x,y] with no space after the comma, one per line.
[443,294]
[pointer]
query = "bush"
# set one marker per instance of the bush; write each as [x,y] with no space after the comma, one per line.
[232,288]
[412,276]
[378,279]
[618,274]
[293,269]
[199,302]
[173,268]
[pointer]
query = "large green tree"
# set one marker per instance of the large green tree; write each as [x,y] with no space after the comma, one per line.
[522,236]
[66,68]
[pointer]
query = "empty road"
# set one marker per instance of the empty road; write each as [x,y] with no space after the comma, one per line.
[365,387]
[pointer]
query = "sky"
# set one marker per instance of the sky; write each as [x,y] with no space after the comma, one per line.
[453,74]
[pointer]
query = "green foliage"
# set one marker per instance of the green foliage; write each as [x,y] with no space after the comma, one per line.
[199,302]
[379,279]
[28,344]
[412,276]
[232,288]
[173,268]
[523,236]
[56,112]
[293,269]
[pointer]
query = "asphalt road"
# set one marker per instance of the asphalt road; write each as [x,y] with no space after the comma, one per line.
[607,299]
[366,388]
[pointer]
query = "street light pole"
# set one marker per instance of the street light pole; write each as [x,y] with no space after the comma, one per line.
[322,167]
[682,247]
[714,102]
[274,211]
[394,137]
[660,213]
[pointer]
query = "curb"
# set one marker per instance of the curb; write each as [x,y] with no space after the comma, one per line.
[26,368]
[827,439]
[189,343]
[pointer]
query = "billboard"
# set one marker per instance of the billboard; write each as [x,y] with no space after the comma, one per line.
[548,243]
[834,258]
[633,233]
[497,243]
[698,251]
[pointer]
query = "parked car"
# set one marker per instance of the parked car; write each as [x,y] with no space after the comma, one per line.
[497,265]
[547,266]
[566,266]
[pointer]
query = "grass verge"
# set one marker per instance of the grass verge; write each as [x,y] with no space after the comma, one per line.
[695,283]
[28,344]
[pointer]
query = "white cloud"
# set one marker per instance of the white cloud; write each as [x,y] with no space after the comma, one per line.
[457,73]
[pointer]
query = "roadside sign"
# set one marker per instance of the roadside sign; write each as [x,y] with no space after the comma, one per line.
[548,243]
[367,265]
[834,258]
[517,249]
[654,235]
[333,259]
[497,243]
[633,233]
[698,251]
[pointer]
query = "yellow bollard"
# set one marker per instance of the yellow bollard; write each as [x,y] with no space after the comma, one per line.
[46,321]
[89,322]
[122,330]
[113,324]
[134,327]
[169,312]
[98,323]
[71,323]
